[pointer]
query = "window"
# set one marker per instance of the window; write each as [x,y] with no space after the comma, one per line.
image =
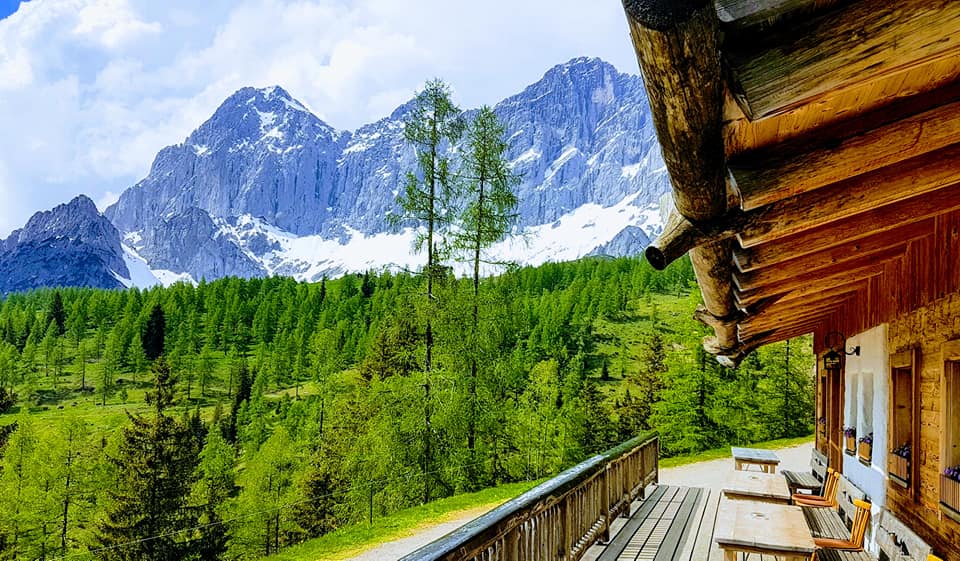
[903,417]
[950,431]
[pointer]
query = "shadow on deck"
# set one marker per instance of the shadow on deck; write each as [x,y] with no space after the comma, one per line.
[671,524]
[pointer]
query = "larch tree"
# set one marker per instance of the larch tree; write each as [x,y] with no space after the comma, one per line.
[433,124]
[488,215]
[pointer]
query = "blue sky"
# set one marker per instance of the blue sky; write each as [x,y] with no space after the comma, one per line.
[91,90]
[7,7]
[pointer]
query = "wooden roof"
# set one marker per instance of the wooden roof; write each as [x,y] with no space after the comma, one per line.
[814,151]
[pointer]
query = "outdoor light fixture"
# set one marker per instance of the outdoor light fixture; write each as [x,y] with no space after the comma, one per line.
[832,358]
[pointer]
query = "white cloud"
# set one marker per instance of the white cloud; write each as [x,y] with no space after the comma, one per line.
[111,23]
[90,90]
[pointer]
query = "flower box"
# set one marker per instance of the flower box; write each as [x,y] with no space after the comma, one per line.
[900,470]
[850,441]
[865,452]
[950,497]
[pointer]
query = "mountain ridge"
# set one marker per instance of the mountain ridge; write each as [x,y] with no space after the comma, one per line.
[265,187]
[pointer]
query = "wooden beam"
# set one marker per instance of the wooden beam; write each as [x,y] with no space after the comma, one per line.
[785,322]
[923,174]
[859,285]
[800,278]
[678,48]
[737,16]
[792,308]
[679,236]
[883,219]
[824,282]
[835,256]
[834,51]
[768,175]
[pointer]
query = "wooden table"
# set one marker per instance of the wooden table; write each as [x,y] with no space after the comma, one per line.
[766,459]
[764,528]
[755,486]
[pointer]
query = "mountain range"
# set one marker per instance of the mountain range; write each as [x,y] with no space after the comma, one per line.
[265,187]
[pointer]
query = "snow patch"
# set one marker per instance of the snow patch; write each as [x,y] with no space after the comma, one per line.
[140,274]
[530,155]
[168,278]
[558,163]
[631,171]
[201,150]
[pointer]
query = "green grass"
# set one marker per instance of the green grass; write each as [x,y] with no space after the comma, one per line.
[352,540]
[720,453]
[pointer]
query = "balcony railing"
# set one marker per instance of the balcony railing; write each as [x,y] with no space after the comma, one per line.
[560,518]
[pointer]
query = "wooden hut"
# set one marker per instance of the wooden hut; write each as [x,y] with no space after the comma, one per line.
[814,152]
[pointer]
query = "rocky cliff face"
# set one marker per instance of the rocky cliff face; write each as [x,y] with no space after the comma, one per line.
[264,179]
[71,245]
[266,187]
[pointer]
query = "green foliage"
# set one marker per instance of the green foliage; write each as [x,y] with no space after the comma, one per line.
[309,411]
[154,336]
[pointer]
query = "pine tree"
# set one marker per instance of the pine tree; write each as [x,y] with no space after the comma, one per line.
[433,124]
[154,334]
[154,472]
[16,492]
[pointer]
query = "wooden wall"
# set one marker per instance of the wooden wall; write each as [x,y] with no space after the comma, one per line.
[927,329]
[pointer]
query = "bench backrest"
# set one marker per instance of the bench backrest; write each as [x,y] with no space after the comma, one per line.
[819,464]
[846,495]
[897,542]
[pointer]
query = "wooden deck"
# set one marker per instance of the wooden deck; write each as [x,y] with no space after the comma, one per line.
[671,524]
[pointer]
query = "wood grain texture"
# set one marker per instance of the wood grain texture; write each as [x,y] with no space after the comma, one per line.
[834,51]
[848,230]
[744,16]
[818,283]
[837,256]
[767,176]
[923,174]
[682,76]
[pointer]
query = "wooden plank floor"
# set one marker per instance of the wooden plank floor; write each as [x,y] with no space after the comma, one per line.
[671,524]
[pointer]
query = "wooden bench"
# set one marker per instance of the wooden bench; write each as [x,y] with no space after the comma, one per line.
[895,541]
[809,481]
[898,542]
[835,524]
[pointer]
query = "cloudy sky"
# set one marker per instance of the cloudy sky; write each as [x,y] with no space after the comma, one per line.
[90,90]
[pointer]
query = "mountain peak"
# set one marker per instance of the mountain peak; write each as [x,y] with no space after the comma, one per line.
[269,98]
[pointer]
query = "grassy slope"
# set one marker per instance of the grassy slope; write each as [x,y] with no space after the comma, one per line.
[353,540]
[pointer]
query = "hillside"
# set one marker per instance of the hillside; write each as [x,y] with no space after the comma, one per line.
[311,394]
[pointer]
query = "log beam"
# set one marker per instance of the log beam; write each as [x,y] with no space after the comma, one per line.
[836,256]
[923,174]
[821,283]
[768,175]
[677,43]
[835,51]
[818,239]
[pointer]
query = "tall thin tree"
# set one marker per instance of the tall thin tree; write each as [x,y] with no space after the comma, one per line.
[433,124]
[489,213]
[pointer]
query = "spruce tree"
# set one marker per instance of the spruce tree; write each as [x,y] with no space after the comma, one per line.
[57,314]
[154,471]
[154,334]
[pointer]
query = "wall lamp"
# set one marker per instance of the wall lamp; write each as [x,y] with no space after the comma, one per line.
[832,359]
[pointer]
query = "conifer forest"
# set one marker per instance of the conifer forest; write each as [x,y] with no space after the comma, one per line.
[234,418]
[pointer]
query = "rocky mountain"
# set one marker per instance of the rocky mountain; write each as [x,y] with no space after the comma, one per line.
[266,187]
[71,245]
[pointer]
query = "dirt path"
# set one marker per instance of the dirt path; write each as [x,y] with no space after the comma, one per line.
[704,474]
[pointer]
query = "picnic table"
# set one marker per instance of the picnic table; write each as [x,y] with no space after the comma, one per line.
[755,486]
[766,459]
[764,528]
